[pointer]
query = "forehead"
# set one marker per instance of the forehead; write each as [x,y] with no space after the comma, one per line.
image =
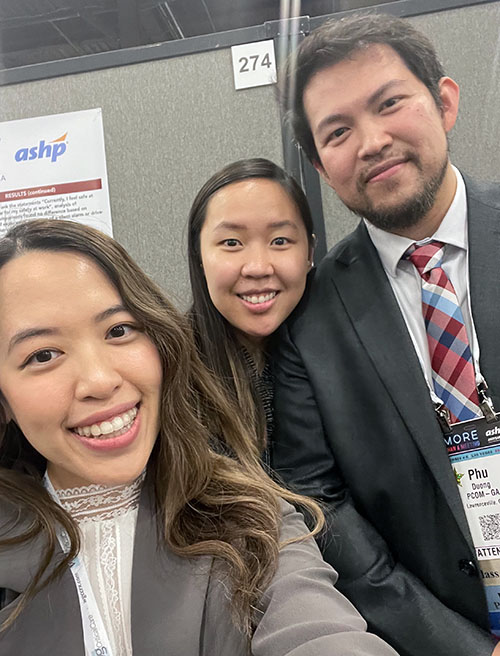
[356,77]
[40,285]
[250,200]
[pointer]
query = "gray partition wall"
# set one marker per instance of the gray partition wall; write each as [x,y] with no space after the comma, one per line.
[170,123]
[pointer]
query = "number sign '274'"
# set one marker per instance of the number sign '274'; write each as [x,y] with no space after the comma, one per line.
[254,64]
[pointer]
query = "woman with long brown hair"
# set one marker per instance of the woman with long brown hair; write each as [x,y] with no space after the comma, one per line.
[124,528]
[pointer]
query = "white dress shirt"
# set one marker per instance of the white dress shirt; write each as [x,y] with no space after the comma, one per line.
[406,281]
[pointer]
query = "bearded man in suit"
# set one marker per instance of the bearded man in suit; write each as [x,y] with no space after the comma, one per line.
[357,373]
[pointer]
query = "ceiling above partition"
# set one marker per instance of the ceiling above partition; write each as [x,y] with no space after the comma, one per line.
[33,31]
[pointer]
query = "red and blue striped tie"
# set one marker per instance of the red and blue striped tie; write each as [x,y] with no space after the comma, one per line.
[451,359]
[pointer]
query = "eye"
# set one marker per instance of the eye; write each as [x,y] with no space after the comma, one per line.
[231,243]
[337,134]
[390,102]
[120,330]
[280,241]
[41,357]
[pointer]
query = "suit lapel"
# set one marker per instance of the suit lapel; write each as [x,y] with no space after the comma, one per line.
[381,328]
[168,593]
[484,248]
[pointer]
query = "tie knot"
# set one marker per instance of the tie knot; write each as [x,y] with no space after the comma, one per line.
[426,257]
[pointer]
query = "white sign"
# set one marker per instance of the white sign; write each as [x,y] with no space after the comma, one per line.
[54,167]
[254,64]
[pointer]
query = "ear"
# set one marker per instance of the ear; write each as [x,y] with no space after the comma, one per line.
[310,261]
[319,168]
[449,93]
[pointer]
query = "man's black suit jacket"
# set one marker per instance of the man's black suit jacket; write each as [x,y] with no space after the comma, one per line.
[355,427]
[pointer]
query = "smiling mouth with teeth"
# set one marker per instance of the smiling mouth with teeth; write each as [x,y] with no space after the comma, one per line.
[258,298]
[111,428]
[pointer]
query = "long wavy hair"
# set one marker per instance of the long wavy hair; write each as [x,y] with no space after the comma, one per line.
[207,503]
[216,339]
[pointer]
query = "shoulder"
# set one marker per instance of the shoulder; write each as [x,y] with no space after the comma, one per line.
[295,535]
[344,251]
[301,611]
[299,551]
[482,192]
[14,520]
[19,560]
[320,286]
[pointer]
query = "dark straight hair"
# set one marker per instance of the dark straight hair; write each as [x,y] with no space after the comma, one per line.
[337,40]
[216,339]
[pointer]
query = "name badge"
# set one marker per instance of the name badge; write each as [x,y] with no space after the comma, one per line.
[474,450]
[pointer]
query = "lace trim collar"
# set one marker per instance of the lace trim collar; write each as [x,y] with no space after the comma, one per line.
[98,502]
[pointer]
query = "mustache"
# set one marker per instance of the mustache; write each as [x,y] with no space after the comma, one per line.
[378,162]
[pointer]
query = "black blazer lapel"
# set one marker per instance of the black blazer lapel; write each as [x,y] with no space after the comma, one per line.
[381,328]
[483,203]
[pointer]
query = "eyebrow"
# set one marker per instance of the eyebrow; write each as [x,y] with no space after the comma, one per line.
[376,95]
[283,224]
[227,225]
[382,90]
[23,335]
[29,333]
[115,309]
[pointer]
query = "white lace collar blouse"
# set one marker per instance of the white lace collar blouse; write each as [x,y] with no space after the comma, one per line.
[106,517]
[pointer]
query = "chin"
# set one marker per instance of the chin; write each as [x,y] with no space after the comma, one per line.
[259,336]
[112,480]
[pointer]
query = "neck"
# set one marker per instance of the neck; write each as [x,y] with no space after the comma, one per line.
[63,480]
[429,223]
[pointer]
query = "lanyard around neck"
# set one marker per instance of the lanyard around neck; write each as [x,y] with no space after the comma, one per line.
[94,634]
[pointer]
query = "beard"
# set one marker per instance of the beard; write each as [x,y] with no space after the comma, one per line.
[410,211]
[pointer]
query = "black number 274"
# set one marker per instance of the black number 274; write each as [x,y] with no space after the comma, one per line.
[251,62]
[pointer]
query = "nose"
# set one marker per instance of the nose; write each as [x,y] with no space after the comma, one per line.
[98,376]
[374,138]
[258,263]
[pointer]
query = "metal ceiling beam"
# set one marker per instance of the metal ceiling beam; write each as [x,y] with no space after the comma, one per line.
[75,46]
[91,17]
[174,26]
[209,15]
[22,21]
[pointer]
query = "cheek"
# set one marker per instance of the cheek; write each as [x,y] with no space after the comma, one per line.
[156,375]
[220,276]
[142,367]
[421,125]
[340,167]
[38,413]
[294,272]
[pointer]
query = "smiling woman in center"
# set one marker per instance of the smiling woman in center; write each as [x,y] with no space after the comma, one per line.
[251,246]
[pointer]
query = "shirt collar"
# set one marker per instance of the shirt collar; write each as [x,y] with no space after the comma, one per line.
[452,230]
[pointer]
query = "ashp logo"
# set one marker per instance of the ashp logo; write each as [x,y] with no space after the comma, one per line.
[51,150]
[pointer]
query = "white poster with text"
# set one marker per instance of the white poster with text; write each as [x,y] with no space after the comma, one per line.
[54,167]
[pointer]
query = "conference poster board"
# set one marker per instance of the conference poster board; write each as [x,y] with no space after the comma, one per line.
[54,167]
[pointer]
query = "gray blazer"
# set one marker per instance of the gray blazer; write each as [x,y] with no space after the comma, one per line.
[356,428]
[180,607]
